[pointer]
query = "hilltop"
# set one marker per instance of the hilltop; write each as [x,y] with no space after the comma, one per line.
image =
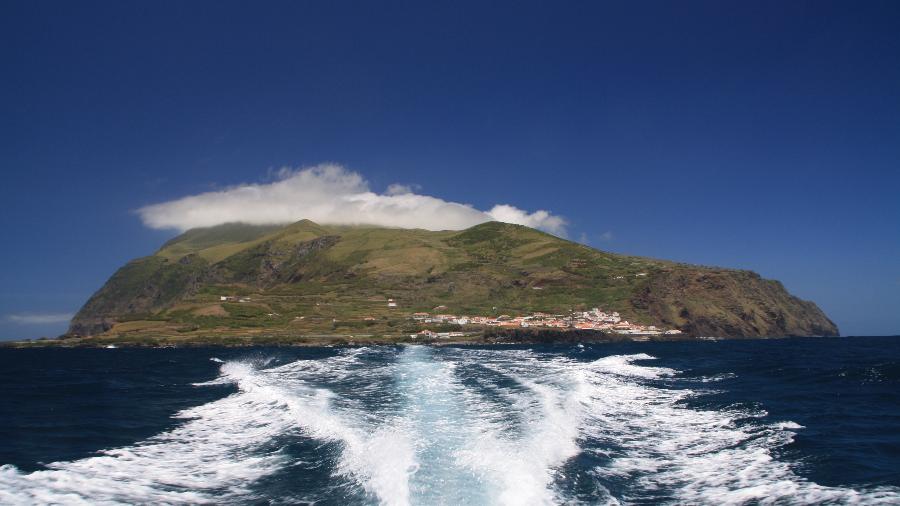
[306,279]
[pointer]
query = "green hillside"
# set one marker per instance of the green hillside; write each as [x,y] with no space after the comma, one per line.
[309,279]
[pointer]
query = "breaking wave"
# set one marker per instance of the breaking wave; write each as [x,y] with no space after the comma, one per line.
[420,425]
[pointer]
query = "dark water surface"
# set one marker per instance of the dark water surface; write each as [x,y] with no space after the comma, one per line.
[728,422]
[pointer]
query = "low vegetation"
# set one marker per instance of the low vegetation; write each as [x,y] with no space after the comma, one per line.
[310,283]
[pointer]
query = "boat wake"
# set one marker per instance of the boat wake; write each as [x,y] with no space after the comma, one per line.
[420,425]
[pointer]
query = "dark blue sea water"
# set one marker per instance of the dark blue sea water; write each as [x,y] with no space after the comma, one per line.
[796,421]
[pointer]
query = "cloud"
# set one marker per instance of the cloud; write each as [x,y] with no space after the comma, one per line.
[606,236]
[39,319]
[402,189]
[331,194]
[538,219]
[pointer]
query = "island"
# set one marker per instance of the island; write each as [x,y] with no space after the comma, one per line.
[306,283]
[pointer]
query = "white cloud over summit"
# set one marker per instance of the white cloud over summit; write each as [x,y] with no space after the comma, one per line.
[331,194]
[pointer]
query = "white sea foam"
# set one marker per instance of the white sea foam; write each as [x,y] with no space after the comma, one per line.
[623,365]
[443,426]
[660,449]
[221,449]
[673,453]
[522,465]
[214,454]
[380,457]
[718,377]
[520,452]
[439,423]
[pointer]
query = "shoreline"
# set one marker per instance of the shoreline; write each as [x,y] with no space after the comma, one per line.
[164,342]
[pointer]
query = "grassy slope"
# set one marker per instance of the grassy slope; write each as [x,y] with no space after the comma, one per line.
[215,243]
[306,278]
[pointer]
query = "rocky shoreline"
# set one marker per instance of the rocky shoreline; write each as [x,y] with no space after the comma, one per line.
[490,337]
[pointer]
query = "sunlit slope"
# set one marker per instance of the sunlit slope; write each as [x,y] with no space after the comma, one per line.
[340,273]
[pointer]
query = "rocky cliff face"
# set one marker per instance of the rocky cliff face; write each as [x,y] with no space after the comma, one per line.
[142,287]
[489,268]
[708,302]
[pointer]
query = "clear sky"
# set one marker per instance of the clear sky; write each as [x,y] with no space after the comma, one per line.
[759,135]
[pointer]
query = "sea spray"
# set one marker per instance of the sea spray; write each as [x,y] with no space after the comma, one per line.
[682,455]
[380,457]
[440,425]
[220,449]
[522,456]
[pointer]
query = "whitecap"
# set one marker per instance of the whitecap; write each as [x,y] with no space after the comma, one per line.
[215,453]
[222,449]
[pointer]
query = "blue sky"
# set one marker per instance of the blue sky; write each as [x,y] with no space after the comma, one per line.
[759,135]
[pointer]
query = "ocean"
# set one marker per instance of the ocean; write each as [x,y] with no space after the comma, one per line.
[791,421]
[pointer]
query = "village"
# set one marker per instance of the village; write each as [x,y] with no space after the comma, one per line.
[595,319]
